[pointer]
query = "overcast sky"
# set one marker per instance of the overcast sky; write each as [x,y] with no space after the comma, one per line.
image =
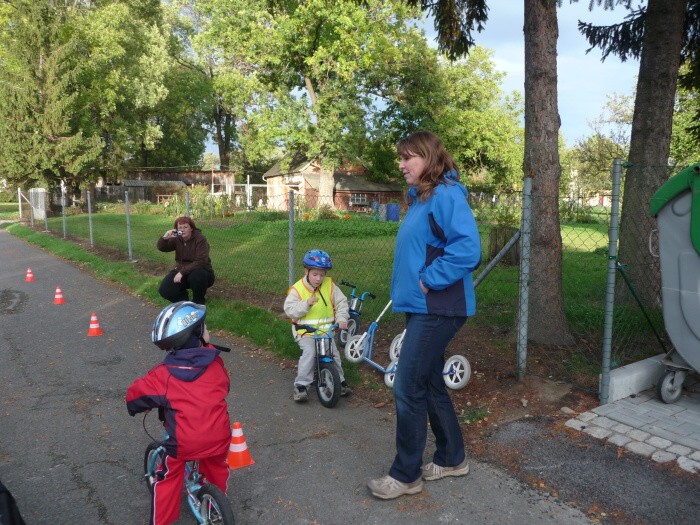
[584,81]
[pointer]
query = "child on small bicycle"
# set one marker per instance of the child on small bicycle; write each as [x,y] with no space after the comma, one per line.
[189,389]
[315,300]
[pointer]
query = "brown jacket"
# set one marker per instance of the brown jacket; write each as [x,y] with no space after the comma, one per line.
[188,255]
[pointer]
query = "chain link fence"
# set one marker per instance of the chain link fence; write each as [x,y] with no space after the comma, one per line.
[256,254]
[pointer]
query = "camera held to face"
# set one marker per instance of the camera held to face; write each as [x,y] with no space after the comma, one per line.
[177,233]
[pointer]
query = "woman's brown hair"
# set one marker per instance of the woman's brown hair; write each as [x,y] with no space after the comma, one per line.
[429,147]
[184,220]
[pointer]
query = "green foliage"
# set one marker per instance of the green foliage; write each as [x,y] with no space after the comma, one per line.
[474,415]
[685,137]
[77,89]
[39,141]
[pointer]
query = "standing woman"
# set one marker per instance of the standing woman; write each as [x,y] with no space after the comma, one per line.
[437,249]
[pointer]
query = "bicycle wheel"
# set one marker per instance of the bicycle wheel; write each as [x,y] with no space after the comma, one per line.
[151,463]
[352,329]
[214,506]
[456,372]
[353,348]
[328,384]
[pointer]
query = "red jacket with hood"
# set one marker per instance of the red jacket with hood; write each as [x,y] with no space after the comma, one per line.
[190,386]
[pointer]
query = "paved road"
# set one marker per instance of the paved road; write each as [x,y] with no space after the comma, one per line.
[70,453]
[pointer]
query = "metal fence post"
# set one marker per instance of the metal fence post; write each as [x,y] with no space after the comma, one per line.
[19,202]
[187,204]
[89,209]
[291,237]
[524,277]
[128,222]
[63,211]
[613,235]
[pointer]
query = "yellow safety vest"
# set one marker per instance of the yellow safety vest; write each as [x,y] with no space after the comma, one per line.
[322,313]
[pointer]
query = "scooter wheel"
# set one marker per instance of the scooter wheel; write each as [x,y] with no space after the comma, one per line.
[395,347]
[390,373]
[353,348]
[457,372]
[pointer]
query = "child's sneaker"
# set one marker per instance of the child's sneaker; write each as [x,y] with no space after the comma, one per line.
[300,394]
[431,471]
[345,389]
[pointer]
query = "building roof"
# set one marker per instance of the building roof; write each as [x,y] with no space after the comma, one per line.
[298,164]
[353,183]
[143,183]
[343,181]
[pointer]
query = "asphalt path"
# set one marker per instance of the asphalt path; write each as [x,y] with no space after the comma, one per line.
[69,452]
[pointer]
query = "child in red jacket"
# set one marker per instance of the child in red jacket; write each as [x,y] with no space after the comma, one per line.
[189,388]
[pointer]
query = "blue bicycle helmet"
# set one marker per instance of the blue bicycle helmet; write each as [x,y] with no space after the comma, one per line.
[176,323]
[317,259]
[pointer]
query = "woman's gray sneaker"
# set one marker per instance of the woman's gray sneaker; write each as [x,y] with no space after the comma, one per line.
[390,488]
[431,471]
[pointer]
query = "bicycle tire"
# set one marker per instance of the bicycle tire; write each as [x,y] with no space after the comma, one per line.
[352,329]
[150,466]
[328,384]
[214,507]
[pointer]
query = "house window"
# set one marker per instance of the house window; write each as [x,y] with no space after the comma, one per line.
[358,199]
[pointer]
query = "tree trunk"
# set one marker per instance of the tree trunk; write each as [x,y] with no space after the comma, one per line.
[650,142]
[224,131]
[547,322]
[326,185]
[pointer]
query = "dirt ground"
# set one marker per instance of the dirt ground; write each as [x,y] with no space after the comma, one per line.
[493,395]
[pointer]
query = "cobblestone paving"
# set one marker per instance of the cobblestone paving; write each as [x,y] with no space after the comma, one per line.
[649,427]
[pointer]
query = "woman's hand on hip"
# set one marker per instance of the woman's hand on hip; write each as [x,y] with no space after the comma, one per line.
[422,287]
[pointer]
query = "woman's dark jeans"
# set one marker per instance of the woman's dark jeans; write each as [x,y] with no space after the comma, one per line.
[198,281]
[421,394]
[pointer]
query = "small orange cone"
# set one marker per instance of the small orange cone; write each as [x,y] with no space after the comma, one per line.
[58,297]
[30,276]
[94,326]
[238,453]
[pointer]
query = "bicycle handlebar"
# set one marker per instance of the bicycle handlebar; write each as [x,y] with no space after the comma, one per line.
[311,328]
[363,296]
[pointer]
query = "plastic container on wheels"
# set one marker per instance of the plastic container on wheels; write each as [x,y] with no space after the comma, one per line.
[676,206]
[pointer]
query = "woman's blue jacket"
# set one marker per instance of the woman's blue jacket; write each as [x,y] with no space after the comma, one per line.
[438,243]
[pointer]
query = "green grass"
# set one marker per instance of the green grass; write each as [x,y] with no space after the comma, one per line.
[9,211]
[257,325]
[474,415]
[251,250]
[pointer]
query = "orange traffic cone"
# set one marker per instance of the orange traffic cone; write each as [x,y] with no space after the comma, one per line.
[58,297]
[30,276]
[238,453]
[94,326]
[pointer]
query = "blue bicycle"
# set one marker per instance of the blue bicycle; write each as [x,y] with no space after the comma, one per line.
[208,503]
[356,302]
[327,375]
